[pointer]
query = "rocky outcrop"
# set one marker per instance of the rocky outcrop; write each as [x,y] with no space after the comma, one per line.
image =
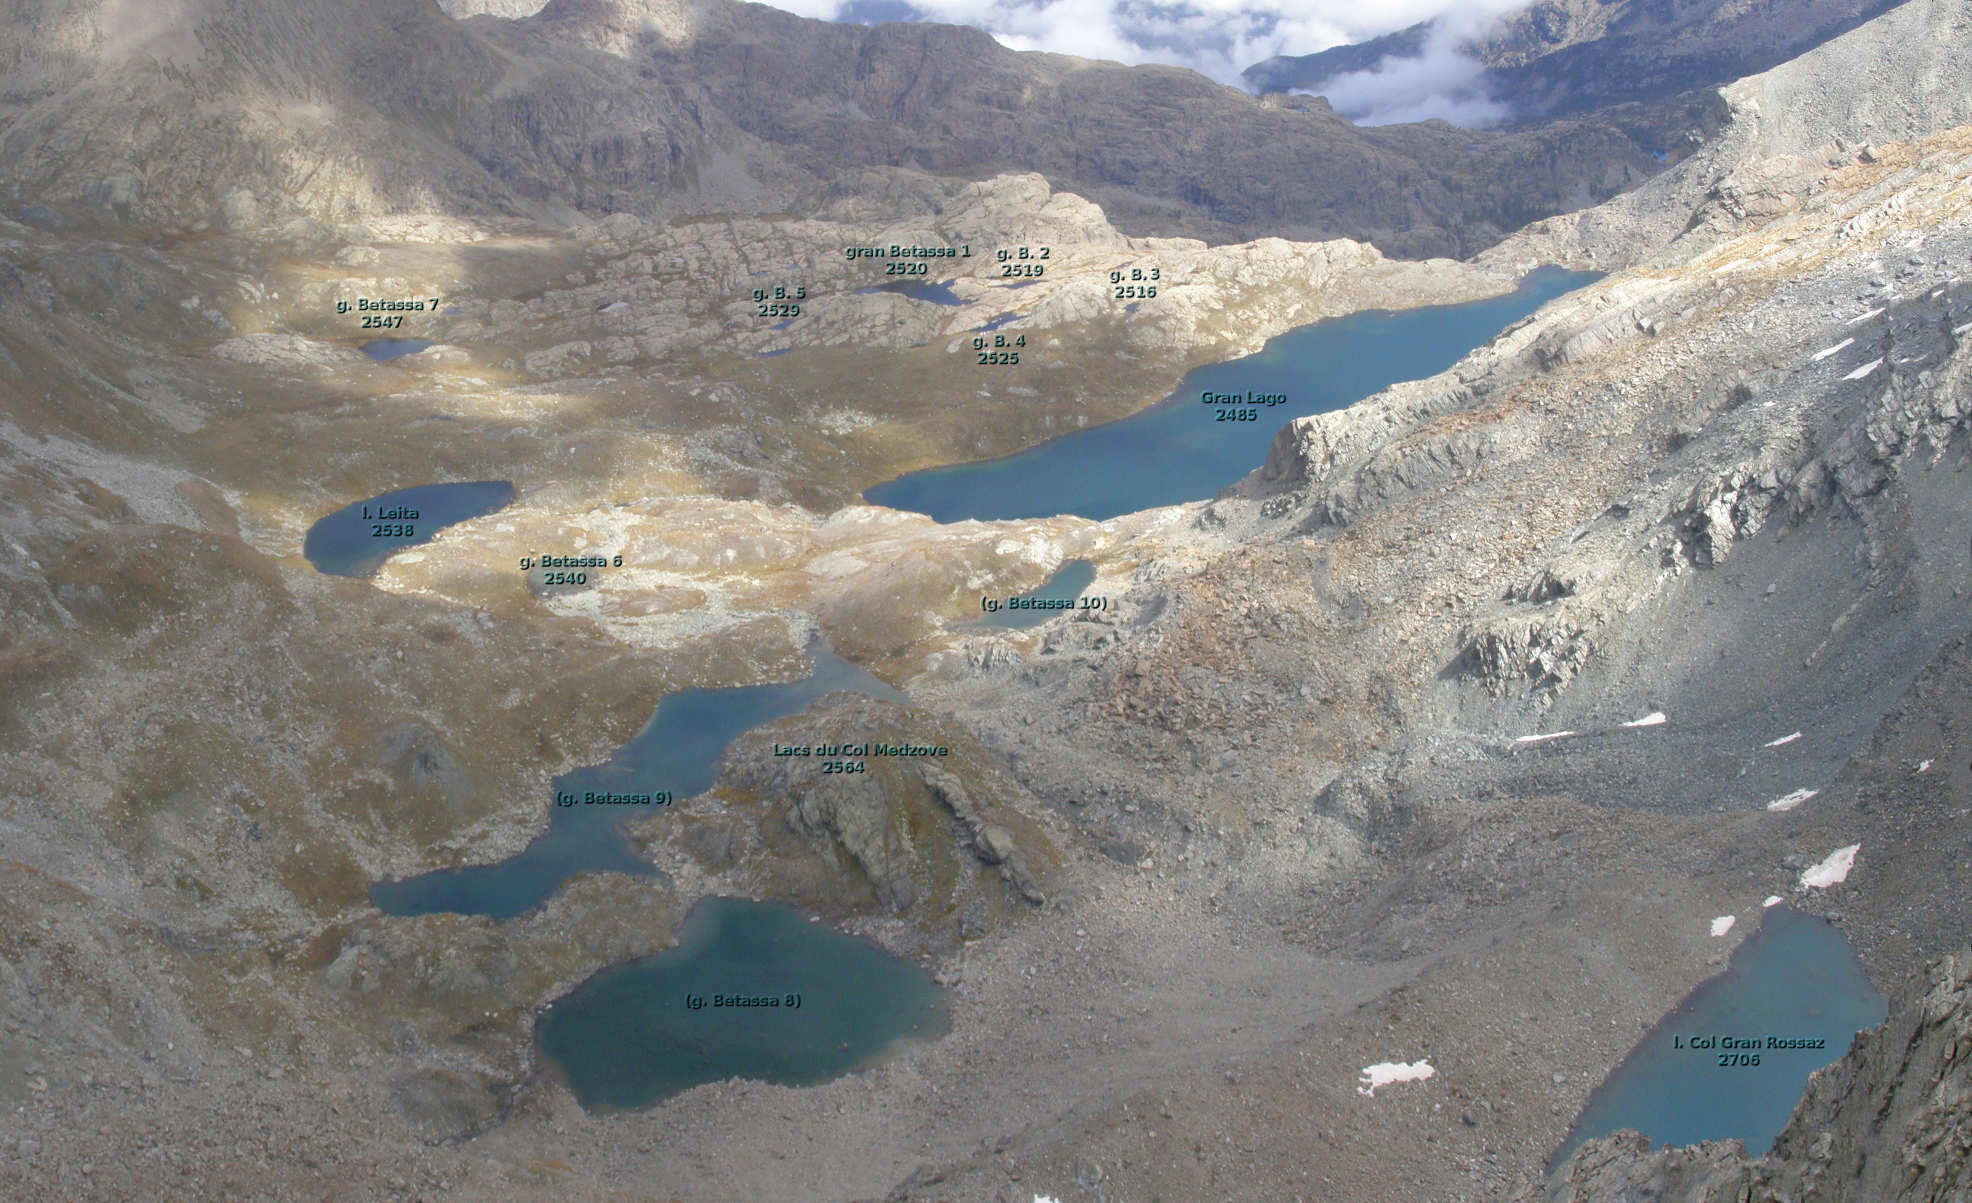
[993,843]
[948,842]
[858,819]
[1368,801]
[1316,454]
[1891,1122]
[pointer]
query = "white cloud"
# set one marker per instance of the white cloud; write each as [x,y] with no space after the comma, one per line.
[1440,81]
[1219,38]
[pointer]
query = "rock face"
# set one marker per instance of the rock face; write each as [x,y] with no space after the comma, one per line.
[1891,1121]
[993,842]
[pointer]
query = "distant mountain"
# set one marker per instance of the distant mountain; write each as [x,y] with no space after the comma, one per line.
[224,114]
[1561,57]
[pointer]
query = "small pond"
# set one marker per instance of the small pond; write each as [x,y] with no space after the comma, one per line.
[1057,595]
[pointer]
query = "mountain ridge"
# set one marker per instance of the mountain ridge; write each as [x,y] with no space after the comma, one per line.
[756,111]
[1560,57]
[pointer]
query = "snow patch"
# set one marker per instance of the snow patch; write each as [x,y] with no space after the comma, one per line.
[1792,800]
[1654,719]
[1825,352]
[1722,925]
[1863,317]
[1864,370]
[1534,739]
[1782,742]
[1832,871]
[1385,1072]
[1771,900]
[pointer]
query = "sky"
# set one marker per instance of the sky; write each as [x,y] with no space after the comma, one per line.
[1220,38]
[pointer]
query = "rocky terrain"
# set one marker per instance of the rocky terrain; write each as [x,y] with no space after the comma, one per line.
[1446,734]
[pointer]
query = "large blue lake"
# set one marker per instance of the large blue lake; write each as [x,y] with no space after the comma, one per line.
[1180,450]
[357,539]
[675,756]
[812,1003]
[1796,979]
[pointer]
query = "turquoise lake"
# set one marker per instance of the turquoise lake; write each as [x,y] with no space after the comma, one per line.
[357,539]
[1178,450]
[676,754]
[1796,978]
[639,1032]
